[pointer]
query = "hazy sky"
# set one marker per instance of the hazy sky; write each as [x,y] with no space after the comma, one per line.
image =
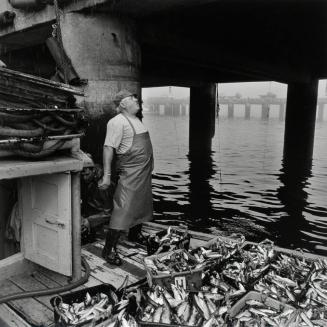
[253,89]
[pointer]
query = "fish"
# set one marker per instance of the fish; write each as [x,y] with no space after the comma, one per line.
[166,315]
[157,314]
[193,317]
[202,305]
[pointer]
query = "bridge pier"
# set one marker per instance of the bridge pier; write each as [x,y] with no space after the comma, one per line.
[230,110]
[300,122]
[104,51]
[202,119]
[247,111]
[321,111]
[281,111]
[265,111]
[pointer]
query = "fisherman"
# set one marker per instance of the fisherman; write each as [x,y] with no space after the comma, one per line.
[128,146]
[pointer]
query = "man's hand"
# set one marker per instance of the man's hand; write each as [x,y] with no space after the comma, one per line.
[104,183]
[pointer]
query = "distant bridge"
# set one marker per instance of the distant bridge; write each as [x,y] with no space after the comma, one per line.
[169,106]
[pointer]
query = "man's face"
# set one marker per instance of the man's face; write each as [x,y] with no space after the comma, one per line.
[131,104]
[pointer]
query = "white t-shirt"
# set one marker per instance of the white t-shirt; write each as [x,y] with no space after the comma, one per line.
[120,133]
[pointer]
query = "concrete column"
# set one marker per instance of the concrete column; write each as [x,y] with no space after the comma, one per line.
[202,118]
[247,111]
[104,50]
[321,112]
[265,111]
[282,111]
[161,109]
[300,122]
[230,110]
[183,110]
[187,110]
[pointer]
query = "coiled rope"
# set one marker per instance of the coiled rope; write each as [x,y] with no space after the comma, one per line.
[38,126]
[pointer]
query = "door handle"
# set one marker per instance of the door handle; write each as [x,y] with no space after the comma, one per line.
[55,222]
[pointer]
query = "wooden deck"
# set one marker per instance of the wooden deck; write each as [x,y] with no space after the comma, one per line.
[37,311]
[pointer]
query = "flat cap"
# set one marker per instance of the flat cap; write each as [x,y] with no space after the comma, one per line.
[121,95]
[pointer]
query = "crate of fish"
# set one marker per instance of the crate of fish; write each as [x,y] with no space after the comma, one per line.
[255,309]
[87,307]
[168,240]
[248,265]
[177,307]
[219,249]
[175,267]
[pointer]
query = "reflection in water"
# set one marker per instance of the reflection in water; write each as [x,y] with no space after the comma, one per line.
[200,172]
[241,187]
[294,178]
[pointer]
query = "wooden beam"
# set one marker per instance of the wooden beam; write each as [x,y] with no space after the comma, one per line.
[11,318]
[175,45]
[158,71]
[13,265]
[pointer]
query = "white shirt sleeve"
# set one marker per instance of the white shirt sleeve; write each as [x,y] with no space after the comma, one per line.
[114,133]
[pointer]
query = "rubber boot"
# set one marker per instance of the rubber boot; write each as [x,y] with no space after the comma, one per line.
[135,235]
[109,252]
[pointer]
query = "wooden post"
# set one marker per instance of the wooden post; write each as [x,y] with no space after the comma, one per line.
[300,124]
[202,118]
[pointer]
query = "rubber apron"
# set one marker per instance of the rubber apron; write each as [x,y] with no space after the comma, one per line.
[133,195]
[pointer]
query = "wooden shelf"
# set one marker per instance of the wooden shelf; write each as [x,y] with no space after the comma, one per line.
[17,168]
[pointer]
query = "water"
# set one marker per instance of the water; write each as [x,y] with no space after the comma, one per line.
[242,186]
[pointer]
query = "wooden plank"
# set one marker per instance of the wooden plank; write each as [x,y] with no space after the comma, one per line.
[130,255]
[41,82]
[52,279]
[21,168]
[106,273]
[29,283]
[33,311]
[133,271]
[11,318]
[13,264]
[131,266]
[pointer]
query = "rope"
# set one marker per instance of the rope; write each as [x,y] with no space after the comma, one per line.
[59,38]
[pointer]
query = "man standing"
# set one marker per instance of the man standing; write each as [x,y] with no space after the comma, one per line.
[128,141]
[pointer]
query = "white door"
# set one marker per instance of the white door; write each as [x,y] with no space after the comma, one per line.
[45,203]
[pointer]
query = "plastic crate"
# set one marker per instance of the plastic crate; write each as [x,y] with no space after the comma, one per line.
[241,304]
[153,247]
[190,280]
[78,296]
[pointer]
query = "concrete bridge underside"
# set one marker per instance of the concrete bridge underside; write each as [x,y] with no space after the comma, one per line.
[191,43]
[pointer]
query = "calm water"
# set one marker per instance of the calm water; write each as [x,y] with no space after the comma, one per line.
[242,186]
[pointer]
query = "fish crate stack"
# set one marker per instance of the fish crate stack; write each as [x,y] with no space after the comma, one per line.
[38,117]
